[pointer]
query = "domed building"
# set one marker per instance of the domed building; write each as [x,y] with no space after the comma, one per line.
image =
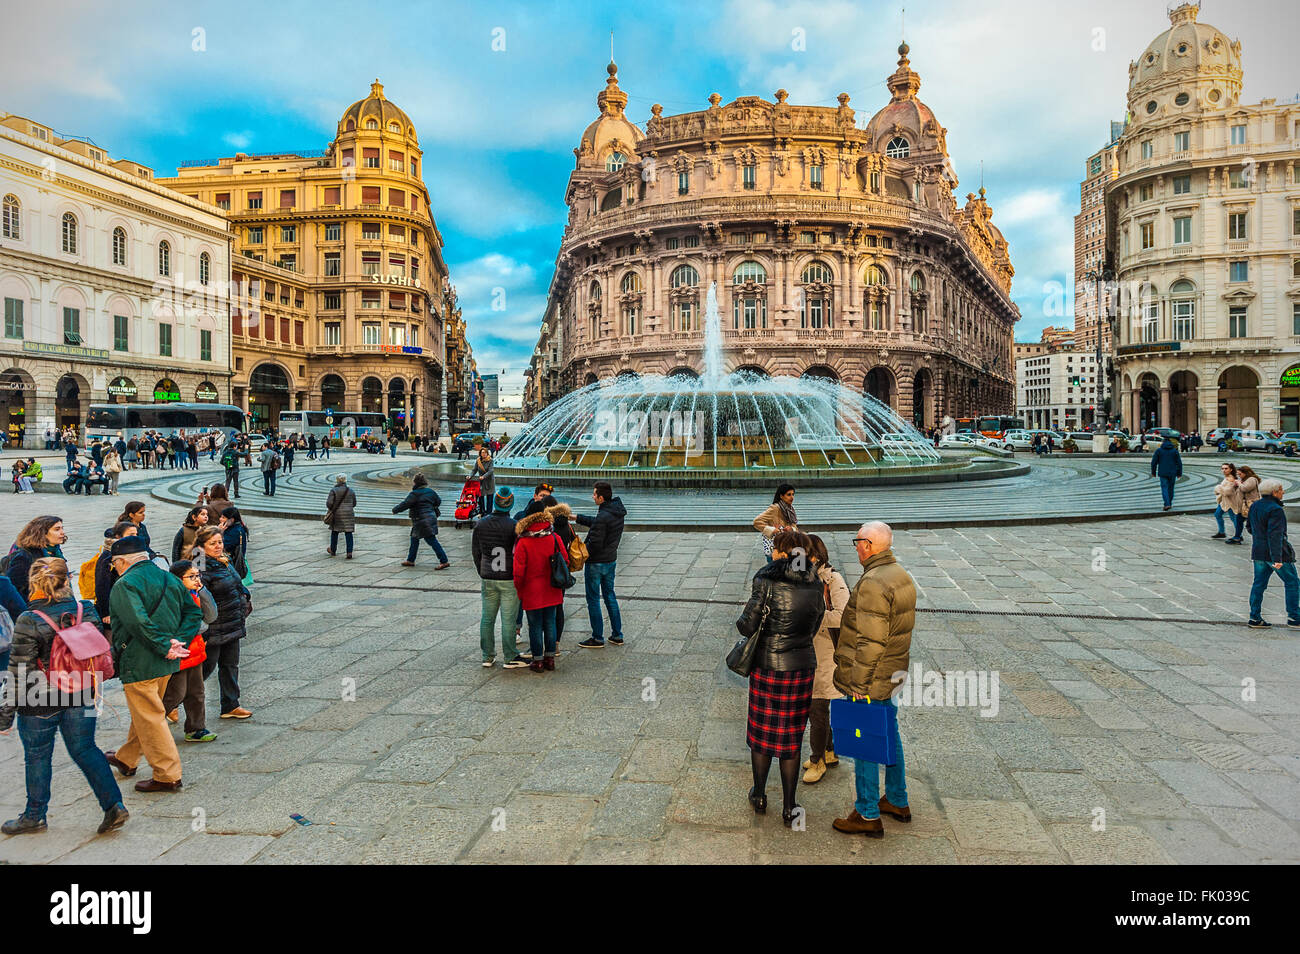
[342,299]
[1203,227]
[838,250]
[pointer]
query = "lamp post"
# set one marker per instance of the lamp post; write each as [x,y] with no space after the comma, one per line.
[443,425]
[1099,277]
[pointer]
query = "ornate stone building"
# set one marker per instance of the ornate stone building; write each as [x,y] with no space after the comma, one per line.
[114,288]
[343,293]
[1204,231]
[837,249]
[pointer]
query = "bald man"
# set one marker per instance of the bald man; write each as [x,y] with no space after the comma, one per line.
[875,643]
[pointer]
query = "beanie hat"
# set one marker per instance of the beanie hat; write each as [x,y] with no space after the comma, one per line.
[504,500]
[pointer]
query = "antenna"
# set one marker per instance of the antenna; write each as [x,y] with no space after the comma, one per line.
[981,173]
[902,23]
[611,46]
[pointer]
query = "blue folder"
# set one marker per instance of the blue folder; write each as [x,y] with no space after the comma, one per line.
[864,730]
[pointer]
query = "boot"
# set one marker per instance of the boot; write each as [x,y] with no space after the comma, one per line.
[814,773]
[855,824]
[115,817]
[903,814]
[831,758]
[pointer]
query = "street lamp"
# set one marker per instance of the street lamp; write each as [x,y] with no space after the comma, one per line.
[1099,277]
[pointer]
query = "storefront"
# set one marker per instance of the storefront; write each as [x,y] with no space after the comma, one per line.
[1290,399]
[268,395]
[206,393]
[122,390]
[166,392]
[13,407]
[70,395]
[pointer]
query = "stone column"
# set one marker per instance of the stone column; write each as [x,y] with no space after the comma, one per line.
[1164,406]
[1135,412]
[1270,397]
[1207,408]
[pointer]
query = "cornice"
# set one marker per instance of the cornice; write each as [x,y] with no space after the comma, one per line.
[100,279]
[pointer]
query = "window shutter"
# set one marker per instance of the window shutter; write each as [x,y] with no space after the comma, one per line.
[332,195]
[286,198]
[370,195]
[396,197]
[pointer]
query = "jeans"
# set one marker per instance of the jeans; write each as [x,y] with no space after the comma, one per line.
[866,776]
[392,450]
[288,465]
[225,658]
[1239,524]
[334,539]
[325,452]
[78,727]
[432,540]
[1290,581]
[232,477]
[499,598]
[599,581]
[1218,517]
[541,631]
[268,482]
[1167,490]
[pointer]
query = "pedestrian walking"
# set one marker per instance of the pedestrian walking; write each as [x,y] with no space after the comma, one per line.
[392,444]
[112,470]
[311,446]
[223,636]
[603,537]
[492,545]
[784,612]
[1247,493]
[1167,463]
[41,537]
[230,461]
[325,448]
[287,456]
[778,516]
[875,644]
[43,712]
[186,686]
[341,514]
[424,506]
[1271,553]
[151,610]
[835,594]
[269,463]
[534,582]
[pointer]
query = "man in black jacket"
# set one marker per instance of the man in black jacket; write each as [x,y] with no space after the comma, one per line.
[598,572]
[493,547]
[1271,553]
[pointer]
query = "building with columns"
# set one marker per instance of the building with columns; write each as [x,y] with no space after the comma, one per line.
[114,288]
[1203,228]
[837,248]
[343,294]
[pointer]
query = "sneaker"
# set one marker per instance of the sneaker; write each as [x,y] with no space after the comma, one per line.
[519,662]
[23,825]
[1218,536]
[1234,541]
[487,663]
[200,735]
[1257,624]
[592,643]
[1293,623]
[616,640]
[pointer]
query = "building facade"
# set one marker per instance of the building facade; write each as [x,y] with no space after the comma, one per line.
[1092,291]
[1204,230]
[115,289]
[491,392]
[1057,389]
[837,250]
[344,298]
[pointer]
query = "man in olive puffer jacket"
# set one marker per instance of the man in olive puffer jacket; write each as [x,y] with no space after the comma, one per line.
[874,646]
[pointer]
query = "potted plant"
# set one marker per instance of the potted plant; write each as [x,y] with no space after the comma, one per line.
[1122,442]
[1069,445]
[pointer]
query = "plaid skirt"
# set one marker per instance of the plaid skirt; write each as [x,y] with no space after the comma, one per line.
[778,711]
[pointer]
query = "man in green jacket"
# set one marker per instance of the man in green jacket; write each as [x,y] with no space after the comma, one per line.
[871,660]
[149,608]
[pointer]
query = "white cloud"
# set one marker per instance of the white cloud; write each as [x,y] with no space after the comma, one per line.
[238,140]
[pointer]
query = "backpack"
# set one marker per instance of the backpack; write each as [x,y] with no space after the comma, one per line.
[6,630]
[80,657]
[86,578]
[229,458]
[275,462]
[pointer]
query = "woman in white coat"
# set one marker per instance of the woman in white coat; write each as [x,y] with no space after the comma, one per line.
[819,717]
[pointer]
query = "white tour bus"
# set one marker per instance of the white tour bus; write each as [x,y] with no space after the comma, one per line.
[346,425]
[108,421]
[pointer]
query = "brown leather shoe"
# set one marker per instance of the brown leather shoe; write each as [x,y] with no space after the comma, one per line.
[118,764]
[903,814]
[153,785]
[237,713]
[855,824]
[408,563]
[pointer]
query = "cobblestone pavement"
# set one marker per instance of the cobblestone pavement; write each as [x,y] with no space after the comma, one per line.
[637,753]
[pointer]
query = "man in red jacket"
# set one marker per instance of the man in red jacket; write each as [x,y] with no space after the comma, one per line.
[532,573]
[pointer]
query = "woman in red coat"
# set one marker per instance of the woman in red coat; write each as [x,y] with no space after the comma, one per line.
[532,570]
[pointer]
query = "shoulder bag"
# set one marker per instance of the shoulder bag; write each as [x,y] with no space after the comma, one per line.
[741,658]
[561,578]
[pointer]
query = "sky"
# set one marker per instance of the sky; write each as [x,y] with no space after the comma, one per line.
[500,92]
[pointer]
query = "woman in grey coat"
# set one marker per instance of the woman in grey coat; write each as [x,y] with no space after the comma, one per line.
[341,513]
[487,480]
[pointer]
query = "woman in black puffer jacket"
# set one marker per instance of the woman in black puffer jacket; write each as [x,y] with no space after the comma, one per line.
[790,594]
[223,635]
[423,503]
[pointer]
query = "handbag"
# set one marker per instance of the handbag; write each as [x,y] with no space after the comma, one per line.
[561,578]
[578,554]
[865,730]
[741,658]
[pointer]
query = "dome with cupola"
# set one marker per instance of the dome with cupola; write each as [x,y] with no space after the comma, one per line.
[906,127]
[376,113]
[1191,64]
[611,140]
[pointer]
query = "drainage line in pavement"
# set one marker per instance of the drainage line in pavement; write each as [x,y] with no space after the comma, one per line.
[705,602]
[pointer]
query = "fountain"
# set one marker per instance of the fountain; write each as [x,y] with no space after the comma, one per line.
[719,430]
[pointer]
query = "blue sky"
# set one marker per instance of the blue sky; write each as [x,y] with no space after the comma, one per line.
[1020,85]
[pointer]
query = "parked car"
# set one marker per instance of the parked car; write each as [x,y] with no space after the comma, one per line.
[1260,441]
[1014,440]
[965,439]
[464,441]
[1157,434]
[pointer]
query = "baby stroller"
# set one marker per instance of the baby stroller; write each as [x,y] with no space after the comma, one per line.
[467,505]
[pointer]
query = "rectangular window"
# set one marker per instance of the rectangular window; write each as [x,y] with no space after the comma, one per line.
[287,200]
[397,334]
[1182,141]
[370,332]
[397,266]
[332,260]
[370,231]
[675,243]
[1238,272]
[691,241]
[1151,321]
[121,335]
[1146,149]
[370,300]
[415,168]
[815,176]
[72,326]
[397,197]
[1148,235]
[223,200]
[254,200]
[1236,179]
[370,263]
[298,333]
[269,292]
[1237,226]
[807,238]
[395,160]
[1182,185]
[1239,135]
[333,301]
[333,334]
[396,233]
[875,182]
[397,301]
[739,238]
[284,330]
[1184,319]
[205,345]
[255,235]
[13,317]
[289,262]
[1183,230]
[370,158]
[288,233]
[333,195]
[750,174]
[333,231]
[683,183]
[1237,321]
[1146,191]
[165,340]
[1295,319]
[370,195]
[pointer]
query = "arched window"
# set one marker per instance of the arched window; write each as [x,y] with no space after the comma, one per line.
[119,246]
[205,268]
[749,308]
[747,272]
[615,162]
[1182,294]
[372,124]
[876,298]
[684,276]
[351,126]
[12,220]
[595,291]
[164,259]
[918,282]
[919,318]
[69,233]
[898,148]
[631,282]
[631,319]
[612,199]
[395,127]
[816,278]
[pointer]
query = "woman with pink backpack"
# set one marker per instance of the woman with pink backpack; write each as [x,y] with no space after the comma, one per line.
[43,711]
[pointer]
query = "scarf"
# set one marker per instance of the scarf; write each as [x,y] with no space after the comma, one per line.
[787,513]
